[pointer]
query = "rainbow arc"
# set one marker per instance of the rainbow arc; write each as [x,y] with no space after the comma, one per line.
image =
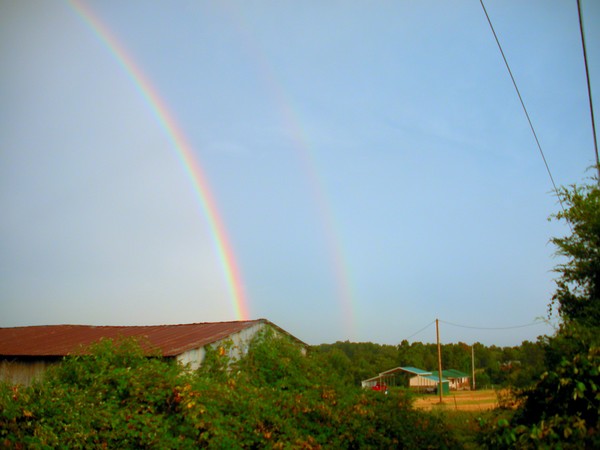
[184,150]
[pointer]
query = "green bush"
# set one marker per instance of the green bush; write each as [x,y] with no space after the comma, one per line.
[115,396]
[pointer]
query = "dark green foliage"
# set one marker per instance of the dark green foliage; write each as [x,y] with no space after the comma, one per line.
[517,366]
[275,397]
[561,411]
[578,287]
[87,397]
[277,362]
[364,359]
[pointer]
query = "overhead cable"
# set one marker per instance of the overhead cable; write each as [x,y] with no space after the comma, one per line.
[414,334]
[537,322]
[523,105]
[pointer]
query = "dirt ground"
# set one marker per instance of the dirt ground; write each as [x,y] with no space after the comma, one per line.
[460,400]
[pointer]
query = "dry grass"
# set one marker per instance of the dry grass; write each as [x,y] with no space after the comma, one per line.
[460,400]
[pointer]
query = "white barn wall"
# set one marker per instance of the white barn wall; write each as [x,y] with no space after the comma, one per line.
[421,382]
[239,341]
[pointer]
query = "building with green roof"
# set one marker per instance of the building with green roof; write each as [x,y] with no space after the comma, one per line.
[421,380]
[458,380]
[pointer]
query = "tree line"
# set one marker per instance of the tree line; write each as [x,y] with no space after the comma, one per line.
[516,366]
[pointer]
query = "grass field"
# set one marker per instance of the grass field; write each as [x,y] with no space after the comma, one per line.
[462,411]
[460,400]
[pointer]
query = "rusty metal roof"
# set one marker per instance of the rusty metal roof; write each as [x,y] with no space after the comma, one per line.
[171,340]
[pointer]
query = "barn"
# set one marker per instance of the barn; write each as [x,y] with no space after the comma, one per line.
[458,380]
[421,380]
[424,381]
[26,352]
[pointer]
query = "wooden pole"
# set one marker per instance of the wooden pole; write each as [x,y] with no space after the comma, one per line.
[473,363]
[440,385]
[587,74]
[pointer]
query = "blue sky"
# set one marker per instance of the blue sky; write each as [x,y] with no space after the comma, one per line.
[383,141]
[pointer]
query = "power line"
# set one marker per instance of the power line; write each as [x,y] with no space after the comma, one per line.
[589,88]
[523,105]
[537,322]
[425,327]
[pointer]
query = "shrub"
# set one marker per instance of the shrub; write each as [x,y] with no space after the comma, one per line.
[116,396]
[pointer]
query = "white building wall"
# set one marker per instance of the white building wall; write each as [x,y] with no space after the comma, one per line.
[420,381]
[192,358]
[236,346]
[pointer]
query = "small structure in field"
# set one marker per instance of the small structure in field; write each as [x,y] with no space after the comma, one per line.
[424,381]
[458,380]
[421,380]
[418,378]
[26,352]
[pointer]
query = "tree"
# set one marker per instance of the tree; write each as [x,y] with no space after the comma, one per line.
[578,288]
[562,409]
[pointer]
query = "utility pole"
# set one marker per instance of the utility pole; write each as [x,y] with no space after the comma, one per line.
[473,363]
[440,385]
[587,75]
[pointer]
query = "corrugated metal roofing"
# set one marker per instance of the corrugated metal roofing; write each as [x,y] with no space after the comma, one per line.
[415,371]
[171,340]
[436,378]
[451,373]
[411,370]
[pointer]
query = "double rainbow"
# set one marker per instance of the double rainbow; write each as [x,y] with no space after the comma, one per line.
[185,153]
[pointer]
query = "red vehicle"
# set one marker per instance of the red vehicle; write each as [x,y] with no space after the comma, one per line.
[380,387]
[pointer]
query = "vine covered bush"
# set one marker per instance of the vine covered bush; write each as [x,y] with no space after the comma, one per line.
[115,396]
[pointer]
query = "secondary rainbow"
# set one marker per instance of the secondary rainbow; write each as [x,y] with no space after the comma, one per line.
[184,151]
[292,123]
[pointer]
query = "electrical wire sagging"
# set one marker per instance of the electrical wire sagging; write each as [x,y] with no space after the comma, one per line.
[522,104]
